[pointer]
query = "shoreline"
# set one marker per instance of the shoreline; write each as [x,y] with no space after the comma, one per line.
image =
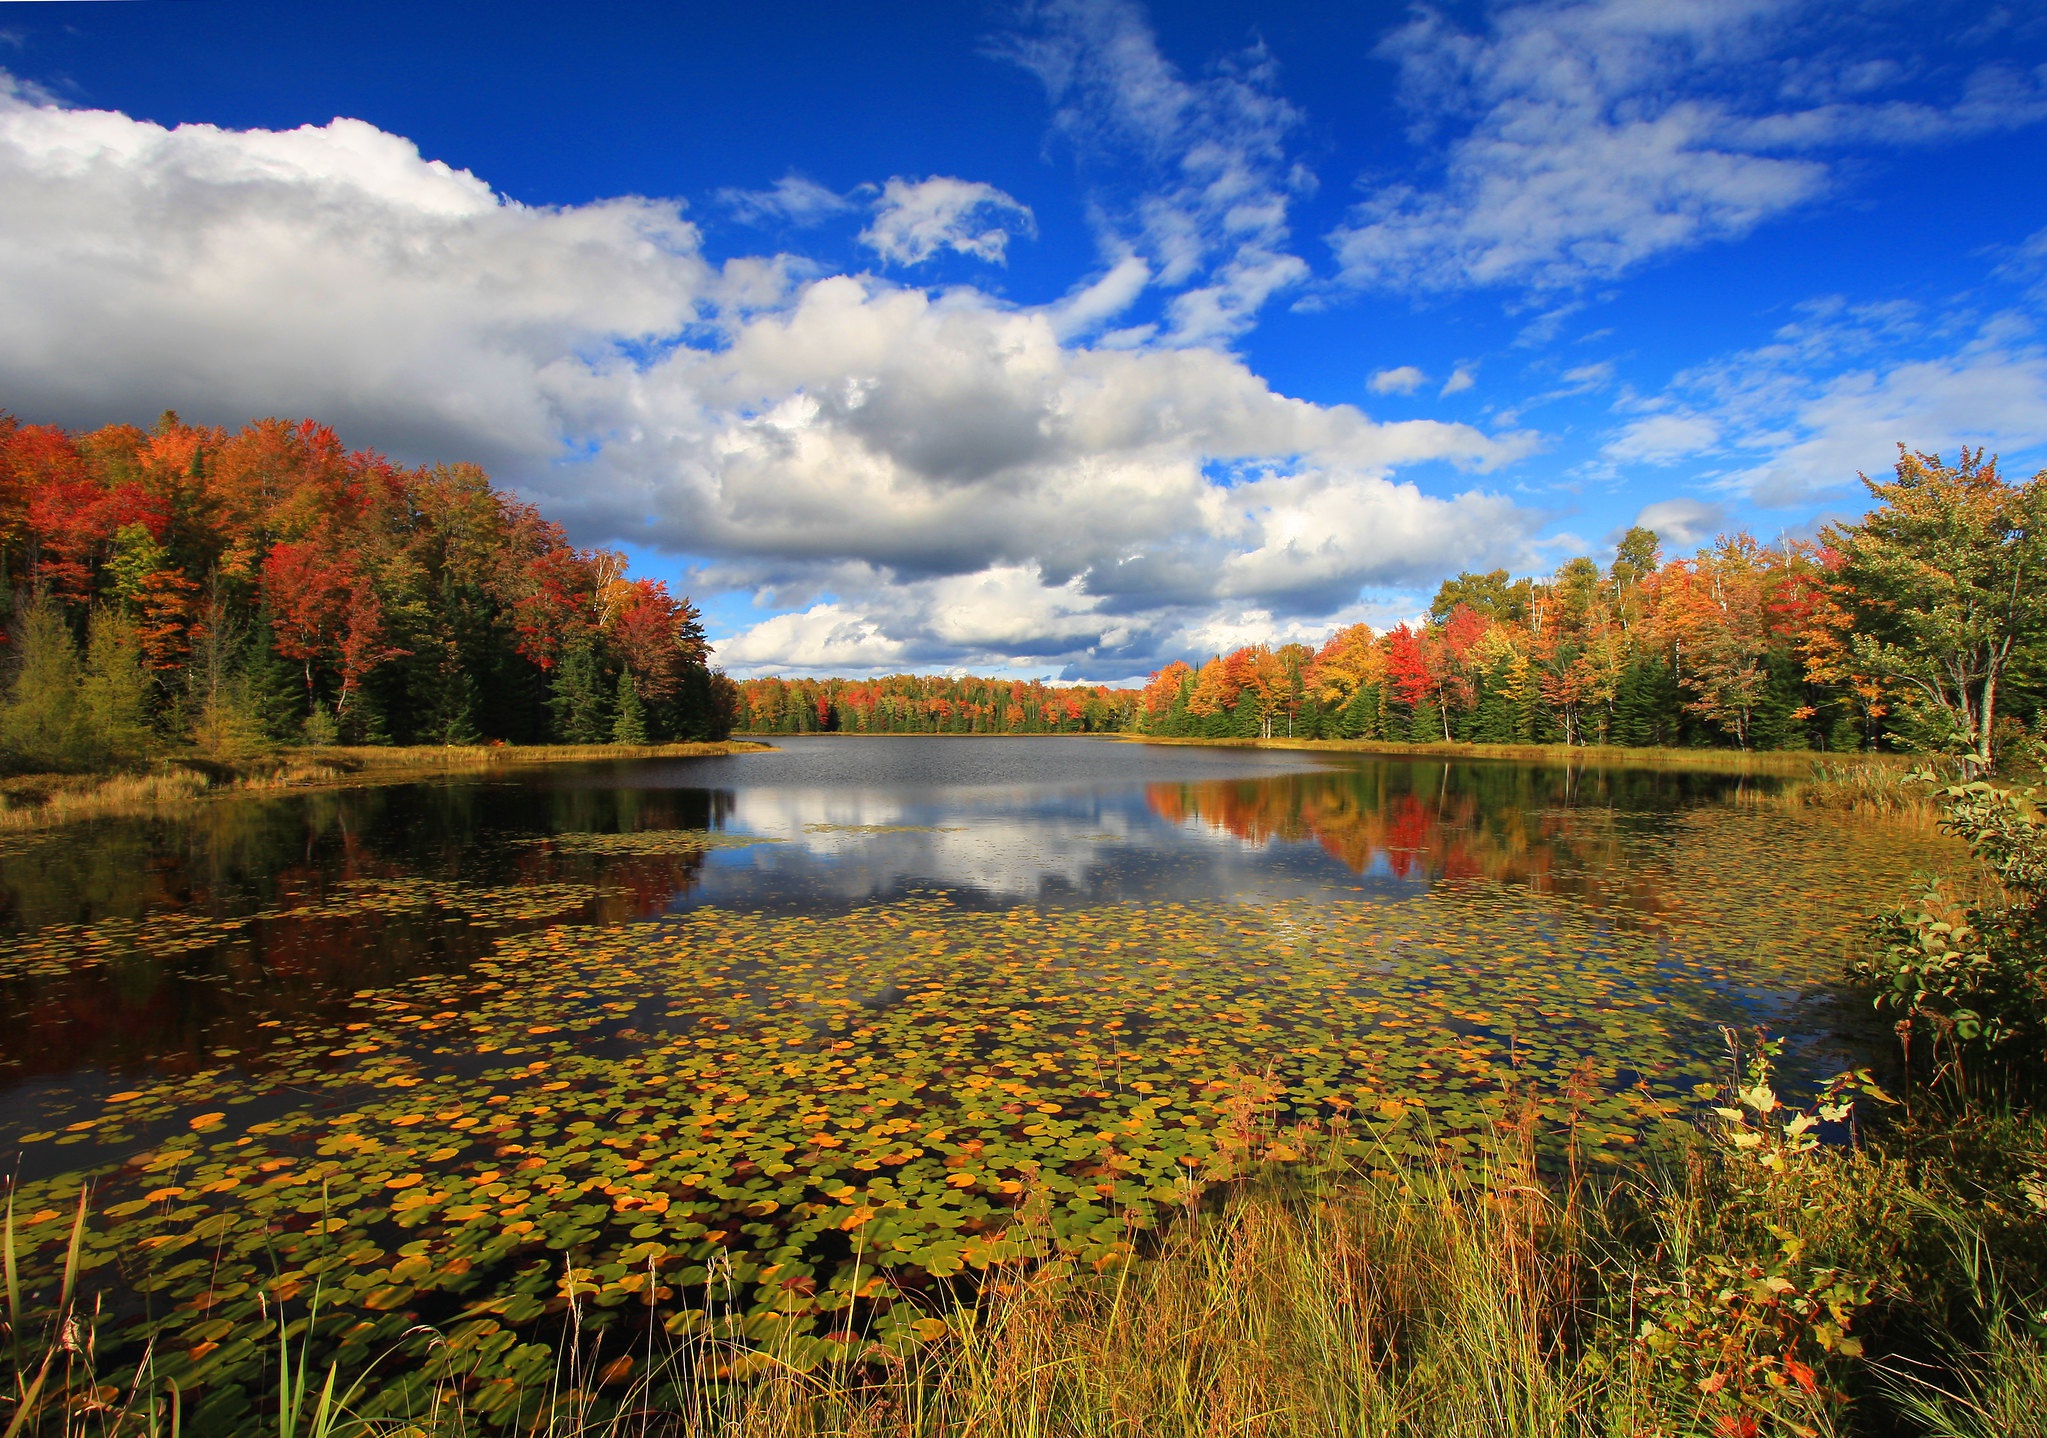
[1795,762]
[35,802]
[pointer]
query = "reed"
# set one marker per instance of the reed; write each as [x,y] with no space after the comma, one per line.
[55,802]
[46,801]
[1595,756]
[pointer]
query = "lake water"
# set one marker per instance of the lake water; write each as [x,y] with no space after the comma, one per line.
[435,1040]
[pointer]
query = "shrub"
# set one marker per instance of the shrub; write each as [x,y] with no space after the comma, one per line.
[1971,973]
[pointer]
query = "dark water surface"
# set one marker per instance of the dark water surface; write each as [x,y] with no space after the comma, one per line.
[1034,821]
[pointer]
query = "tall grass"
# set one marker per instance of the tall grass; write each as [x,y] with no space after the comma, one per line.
[1610,756]
[1888,794]
[1412,1302]
[32,805]
[46,801]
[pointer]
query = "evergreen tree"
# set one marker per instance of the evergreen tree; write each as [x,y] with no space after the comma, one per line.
[113,692]
[630,727]
[275,687]
[363,723]
[580,713]
[457,718]
[39,722]
[1845,735]
[1308,724]
[1646,704]
[1245,722]
[225,724]
[1779,721]
[1426,724]
[320,728]
[1493,721]
[1361,715]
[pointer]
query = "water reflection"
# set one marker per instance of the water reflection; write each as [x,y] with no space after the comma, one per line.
[993,822]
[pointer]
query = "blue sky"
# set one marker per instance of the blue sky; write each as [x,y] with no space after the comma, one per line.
[1058,339]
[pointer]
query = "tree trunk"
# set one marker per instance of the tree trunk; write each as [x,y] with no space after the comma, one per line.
[1987,713]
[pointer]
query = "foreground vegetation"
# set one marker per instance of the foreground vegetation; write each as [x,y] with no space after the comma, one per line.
[1265,1251]
[1753,1282]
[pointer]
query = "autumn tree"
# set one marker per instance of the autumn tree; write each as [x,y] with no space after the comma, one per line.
[1941,586]
[1715,611]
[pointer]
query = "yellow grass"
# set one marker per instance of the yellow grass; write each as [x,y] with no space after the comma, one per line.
[437,757]
[46,801]
[1770,761]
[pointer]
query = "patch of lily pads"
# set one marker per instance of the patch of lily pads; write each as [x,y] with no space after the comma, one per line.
[883,829]
[648,842]
[822,1121]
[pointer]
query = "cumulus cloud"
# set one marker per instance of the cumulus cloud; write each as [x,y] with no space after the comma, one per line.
[1404,380]
[1192,175]
[944,474]
[1681,523]
[326,269]
[1461,379]
[914,220]
[1580,138]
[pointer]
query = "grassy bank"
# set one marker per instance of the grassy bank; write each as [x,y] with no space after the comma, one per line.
[1787,762]
[42,801]
[1752,761]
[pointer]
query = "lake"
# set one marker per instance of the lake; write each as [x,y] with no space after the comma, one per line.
[823,1027]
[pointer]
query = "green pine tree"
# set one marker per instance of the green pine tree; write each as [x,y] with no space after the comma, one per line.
[1493,720]
[630,727]
[1361,715]
[453,718]
[1245,722]
[581,715]
[39,721]
[1426,726]
[113,693]
[275,687]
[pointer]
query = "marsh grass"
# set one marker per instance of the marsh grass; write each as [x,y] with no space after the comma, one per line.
[45,801]
[42,802]
[1889,794]
[430,757]
[1786,762]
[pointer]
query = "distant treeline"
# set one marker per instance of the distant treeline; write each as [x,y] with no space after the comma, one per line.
[1921,626]
[931,704]
[184,585]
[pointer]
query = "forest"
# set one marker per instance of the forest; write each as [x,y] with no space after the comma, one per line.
[182,586]
[1921,626]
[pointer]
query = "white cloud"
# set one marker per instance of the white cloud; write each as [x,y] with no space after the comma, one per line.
[325,270]
[1680,523]
[914,220]
[1098,300]
[1194,176]
[944,472]
[1461,379]
[1585,137]
[793,200]
[826,638]
[1661,438]
[1406,379]
[1839,388]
